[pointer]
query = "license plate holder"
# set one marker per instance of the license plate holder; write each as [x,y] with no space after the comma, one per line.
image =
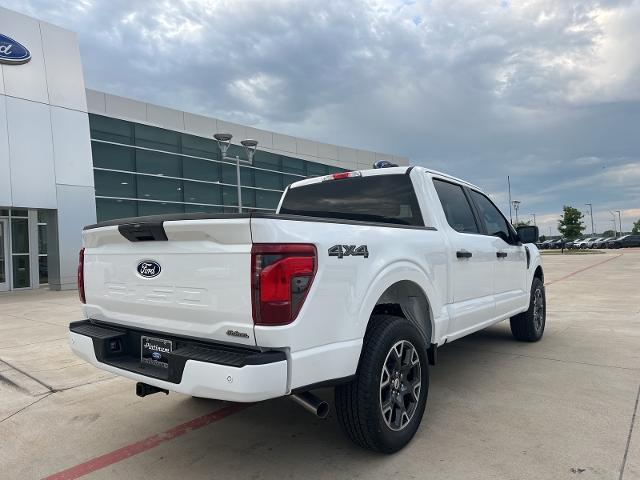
[153,351]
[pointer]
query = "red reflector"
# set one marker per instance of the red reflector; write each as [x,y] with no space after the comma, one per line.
[81,276]
[282,275]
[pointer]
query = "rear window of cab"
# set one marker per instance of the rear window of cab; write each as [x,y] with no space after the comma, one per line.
[389,199]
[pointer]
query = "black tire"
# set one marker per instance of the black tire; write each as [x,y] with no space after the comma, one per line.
[359,404]
[529,326]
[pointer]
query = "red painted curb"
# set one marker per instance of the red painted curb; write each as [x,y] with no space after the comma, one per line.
[148,443]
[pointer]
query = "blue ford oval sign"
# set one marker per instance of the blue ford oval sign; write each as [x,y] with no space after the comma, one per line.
[12,52]
[149,269]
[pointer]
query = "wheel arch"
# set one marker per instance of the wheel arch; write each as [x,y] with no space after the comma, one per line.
[539,273]
[406,292]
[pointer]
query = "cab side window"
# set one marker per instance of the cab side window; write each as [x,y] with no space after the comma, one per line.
[456,207]
[493,219]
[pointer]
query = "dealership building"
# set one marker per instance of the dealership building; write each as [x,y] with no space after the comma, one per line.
[71,156]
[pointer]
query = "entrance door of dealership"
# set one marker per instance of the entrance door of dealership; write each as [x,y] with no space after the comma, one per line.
[4,255]
[24,259]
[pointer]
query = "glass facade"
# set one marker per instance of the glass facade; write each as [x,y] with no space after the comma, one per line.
[24,257]
[143,170]
[43,254]
[20,249]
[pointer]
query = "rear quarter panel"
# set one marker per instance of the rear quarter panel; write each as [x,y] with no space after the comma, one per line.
[345,290]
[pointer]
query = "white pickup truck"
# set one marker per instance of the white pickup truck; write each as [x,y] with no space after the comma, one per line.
[354,283]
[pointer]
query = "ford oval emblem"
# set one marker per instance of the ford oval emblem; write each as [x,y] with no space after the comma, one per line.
[149,268]
[12,52]
[156,355]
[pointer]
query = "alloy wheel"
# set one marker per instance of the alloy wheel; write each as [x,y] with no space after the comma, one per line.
[400,384]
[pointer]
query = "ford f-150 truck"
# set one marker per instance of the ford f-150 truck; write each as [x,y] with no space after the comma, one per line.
[353,283]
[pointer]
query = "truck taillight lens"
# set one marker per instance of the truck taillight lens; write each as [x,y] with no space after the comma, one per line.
[281,277]
[81,276]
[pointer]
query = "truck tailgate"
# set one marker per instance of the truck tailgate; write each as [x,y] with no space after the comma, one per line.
[202,289]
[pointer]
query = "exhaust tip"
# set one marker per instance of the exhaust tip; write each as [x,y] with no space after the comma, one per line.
[323,410]
[311,403]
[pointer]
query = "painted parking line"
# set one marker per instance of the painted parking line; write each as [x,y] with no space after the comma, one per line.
[148,443]
[583,269]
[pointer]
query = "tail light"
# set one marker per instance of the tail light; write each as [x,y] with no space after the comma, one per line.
[81,276]
[281,277]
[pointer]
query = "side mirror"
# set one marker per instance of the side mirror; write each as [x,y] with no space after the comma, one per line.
[528,233]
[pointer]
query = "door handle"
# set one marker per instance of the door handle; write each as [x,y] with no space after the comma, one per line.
[463,254]
[501,254]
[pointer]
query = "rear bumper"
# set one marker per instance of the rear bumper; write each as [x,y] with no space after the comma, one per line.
[201,370]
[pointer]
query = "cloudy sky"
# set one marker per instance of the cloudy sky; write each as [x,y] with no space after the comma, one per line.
[547,91]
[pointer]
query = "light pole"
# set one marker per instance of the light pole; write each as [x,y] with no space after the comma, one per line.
[509,185]
[615,229]
[620,221]
[516,207]
[591,214]
[534,219]
[224,142]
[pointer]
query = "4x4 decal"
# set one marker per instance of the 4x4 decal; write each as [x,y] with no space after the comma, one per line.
[341,251]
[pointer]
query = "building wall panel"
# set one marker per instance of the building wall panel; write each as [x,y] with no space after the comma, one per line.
[26,81]
[5,164]
[65,80]
[76,208]
[96,102]
[71,148]
[165,117]
[31,154]
[121,107]
[199,125]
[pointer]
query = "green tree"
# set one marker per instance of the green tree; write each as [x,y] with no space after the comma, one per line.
[542,238]
[522,223]
[570,224]
[608,233]
[636,227]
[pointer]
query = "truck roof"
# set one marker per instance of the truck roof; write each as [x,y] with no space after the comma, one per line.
[385,171]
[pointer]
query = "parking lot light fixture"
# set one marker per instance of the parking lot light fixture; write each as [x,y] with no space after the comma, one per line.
[250,148]
[591,214]
[619,221]
[615,228]
[224,142]
[516,207]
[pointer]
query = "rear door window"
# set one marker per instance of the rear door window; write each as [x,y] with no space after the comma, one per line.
[456,207]
[379,198]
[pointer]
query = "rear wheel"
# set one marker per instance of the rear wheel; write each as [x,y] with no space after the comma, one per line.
[381,409]
[529,326]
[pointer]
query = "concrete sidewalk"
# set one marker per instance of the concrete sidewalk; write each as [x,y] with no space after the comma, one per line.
[559,408]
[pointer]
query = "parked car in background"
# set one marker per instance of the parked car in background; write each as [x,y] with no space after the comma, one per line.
[625,242]
[544,245]
[602,243]
[590,243]
[568,244]
[581,243]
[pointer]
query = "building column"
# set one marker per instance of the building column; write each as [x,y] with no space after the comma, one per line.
[76,208]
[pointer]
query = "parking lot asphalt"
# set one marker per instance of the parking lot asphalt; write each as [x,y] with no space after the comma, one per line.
[565,407]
